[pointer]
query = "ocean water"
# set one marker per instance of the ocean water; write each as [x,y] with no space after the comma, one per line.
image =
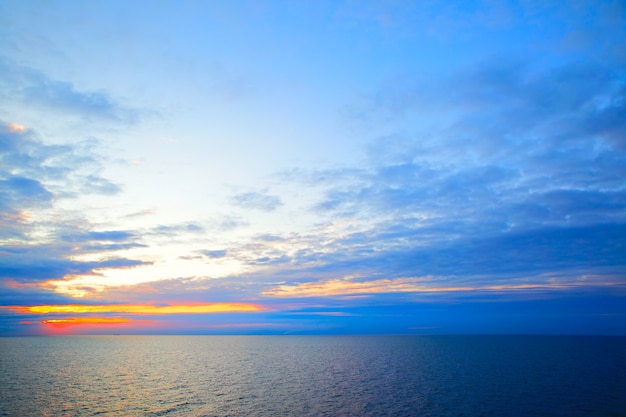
[313,376]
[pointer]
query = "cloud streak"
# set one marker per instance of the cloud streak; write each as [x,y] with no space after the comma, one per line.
[34,88]
[348,287]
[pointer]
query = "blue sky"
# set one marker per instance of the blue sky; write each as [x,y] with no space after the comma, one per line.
[270,167]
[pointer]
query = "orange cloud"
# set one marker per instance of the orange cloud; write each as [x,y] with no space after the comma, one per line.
[17,128]
[138,309]
[22,217]
[346,286]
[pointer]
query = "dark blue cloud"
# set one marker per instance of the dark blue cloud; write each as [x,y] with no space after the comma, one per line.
[112,235]
[214,254]
[29,295]
[22,191]
[43,263]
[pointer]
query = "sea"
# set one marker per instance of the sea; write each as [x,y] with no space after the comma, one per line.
[334,376]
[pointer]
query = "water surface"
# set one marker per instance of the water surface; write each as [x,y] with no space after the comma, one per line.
[313,376]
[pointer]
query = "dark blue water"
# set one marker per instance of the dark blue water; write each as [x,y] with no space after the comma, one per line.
[313,376]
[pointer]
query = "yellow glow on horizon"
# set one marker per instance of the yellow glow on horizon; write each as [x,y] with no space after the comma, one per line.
[87,320]
[139,309]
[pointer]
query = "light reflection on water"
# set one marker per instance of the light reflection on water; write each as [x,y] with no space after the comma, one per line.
[313,376]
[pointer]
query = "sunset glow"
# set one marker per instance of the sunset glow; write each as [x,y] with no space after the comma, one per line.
[138,309]
[86,320]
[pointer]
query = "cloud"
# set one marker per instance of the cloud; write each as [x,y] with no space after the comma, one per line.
[269,238]
[348,287]
[25,155]
[214,254]
[24,165]
[521,175]
[141,213]
[34,175]
[112,247]
[112,235]
[255,200]
[227,223]
[45,262]
[15,292]
[98,185]
[34,88]
[514,137]
[561,257]
[176,229]
[25,191]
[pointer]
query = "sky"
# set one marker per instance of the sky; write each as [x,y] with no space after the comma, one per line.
[312,167]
